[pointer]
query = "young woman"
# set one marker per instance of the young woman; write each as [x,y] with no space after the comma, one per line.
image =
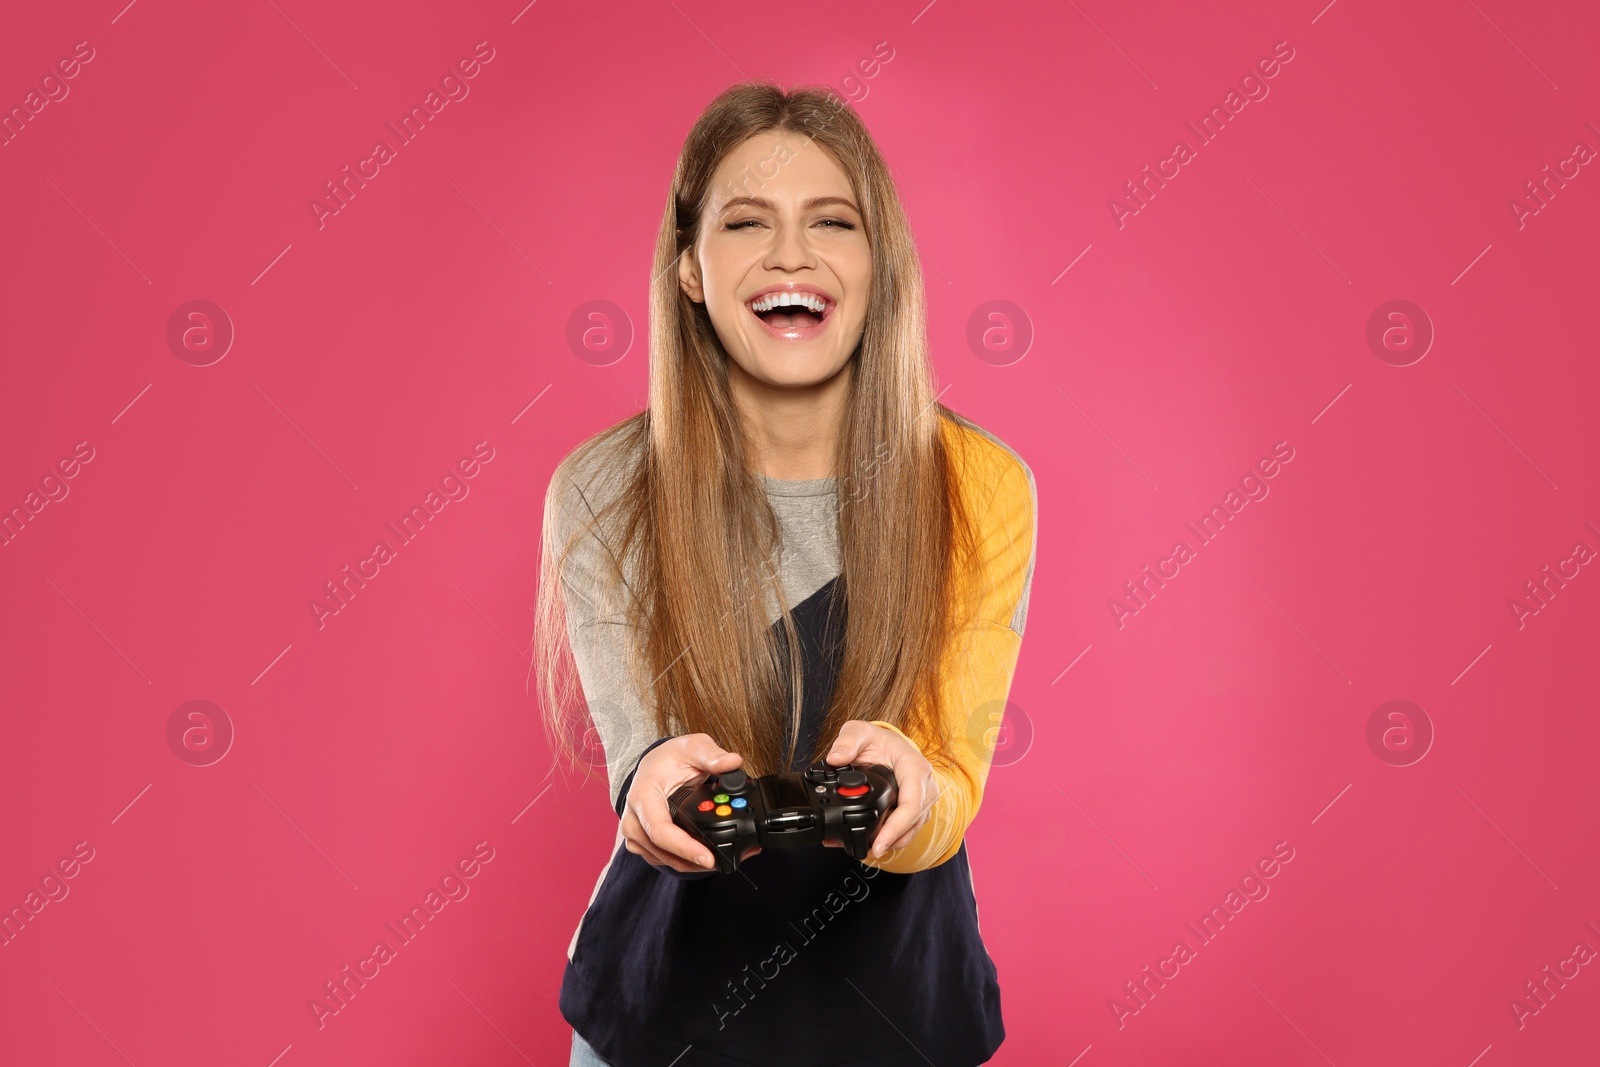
[794,554]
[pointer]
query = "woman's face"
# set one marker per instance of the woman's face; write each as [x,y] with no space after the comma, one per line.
[767,243]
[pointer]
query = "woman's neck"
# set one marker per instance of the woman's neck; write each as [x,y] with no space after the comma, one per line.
[790,431]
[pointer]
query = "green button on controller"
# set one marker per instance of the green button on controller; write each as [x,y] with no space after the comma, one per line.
[721,798]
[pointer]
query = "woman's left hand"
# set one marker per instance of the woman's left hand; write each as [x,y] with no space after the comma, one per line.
[863,743]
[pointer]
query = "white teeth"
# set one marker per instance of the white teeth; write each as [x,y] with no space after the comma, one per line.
[810,301]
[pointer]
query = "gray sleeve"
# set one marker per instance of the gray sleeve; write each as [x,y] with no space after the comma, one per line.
[598,629]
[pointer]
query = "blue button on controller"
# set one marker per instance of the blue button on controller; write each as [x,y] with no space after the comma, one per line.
[739,802]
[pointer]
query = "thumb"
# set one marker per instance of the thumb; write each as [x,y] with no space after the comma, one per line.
[846,747]
[705,754]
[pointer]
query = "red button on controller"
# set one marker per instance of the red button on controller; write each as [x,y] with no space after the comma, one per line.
[853,790]
[706,805]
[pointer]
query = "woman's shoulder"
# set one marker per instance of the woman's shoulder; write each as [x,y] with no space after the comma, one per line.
[991,468]
[577,526]
[598,466]
[1002,486]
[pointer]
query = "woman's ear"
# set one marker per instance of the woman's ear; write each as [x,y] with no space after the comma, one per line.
[689,277]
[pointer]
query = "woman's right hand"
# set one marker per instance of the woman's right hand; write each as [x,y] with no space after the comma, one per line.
[647,826]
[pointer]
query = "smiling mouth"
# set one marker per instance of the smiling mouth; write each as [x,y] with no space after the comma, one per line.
[792,316]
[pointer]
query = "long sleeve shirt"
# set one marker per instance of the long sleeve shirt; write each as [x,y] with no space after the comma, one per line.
[803,957]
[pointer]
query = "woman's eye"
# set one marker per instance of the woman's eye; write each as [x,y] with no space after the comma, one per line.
[839,224]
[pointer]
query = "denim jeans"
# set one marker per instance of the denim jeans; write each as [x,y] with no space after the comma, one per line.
[583,1055]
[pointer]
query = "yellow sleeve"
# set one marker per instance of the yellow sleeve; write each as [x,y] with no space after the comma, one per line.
[978,675]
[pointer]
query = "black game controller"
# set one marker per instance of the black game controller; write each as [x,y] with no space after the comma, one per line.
[730,812]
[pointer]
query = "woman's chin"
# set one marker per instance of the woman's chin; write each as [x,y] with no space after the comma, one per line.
[795,370]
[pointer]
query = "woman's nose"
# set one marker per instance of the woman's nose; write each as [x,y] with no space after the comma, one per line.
[791,247]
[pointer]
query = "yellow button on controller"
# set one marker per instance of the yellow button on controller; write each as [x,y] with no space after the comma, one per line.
[723,809]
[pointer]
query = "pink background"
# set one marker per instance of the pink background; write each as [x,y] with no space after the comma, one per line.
[375,351]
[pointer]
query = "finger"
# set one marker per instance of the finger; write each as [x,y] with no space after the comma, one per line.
[905,839]
[642,848]
[659,859]
[701,752]
[905,817]
[655,819]
[892,829]
[636,841]
[929,789]
[848,745]
[632,833]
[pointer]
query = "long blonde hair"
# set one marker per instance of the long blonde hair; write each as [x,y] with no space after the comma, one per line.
[695,523]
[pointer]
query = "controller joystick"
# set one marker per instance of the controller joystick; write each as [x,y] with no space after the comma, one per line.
[731,812]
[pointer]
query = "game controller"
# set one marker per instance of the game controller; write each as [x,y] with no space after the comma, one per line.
[732,811]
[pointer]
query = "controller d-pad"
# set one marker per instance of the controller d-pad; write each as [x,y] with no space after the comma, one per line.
[821,772]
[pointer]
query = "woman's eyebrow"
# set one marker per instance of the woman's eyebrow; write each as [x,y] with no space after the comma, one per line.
[814,202]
